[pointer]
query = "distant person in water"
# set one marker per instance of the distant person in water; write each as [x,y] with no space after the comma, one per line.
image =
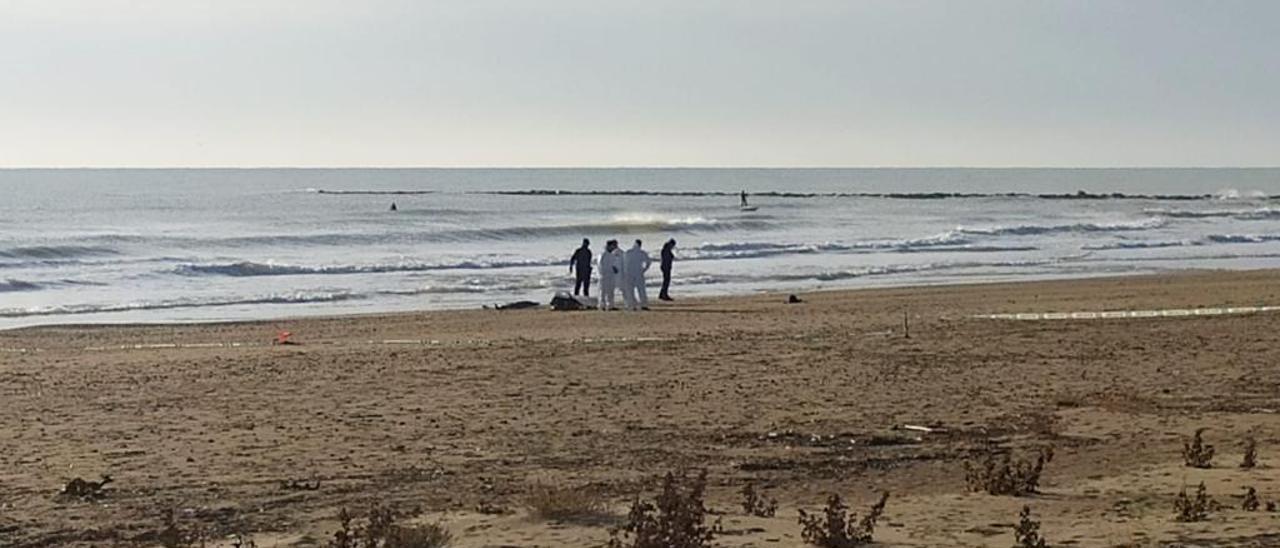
[610,274]
[581,264]
[668,257]
[634,264]
[393,206]
[744,198]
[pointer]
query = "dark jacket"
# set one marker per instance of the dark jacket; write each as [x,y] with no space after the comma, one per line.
[668,257]
[581,261]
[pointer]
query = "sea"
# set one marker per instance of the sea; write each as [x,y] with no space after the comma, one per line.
[195,245]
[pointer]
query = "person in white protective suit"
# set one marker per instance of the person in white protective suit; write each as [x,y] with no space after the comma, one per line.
[634,264]
[610,274]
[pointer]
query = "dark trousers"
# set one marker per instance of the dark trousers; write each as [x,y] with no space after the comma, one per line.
[666,283]
[584,283]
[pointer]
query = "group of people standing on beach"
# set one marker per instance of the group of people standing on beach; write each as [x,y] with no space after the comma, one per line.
[621,271]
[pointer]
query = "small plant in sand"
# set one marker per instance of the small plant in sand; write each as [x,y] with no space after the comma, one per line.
[490,508]
[1027,532]
[1004,475]
[1250,502]
[1196,453]
[1188,509]
[173,536]
[836,527]
[561,503]
[675,519]
[380,530]
[1250,459]
[300,485]
[756,504]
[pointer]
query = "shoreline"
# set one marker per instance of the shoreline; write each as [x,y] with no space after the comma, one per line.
[694,299]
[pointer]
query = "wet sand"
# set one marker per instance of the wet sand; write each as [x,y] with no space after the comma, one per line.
[451,411]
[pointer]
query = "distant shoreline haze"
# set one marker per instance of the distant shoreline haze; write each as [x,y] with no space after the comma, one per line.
[1142,181]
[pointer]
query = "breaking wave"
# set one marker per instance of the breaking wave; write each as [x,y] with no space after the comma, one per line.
[945,239]
[621,225]
[943,243]
[299,297]
[836,275]
[49,252]
[248,268]
[1138,245]
[1256,214]
[1031,230]
[1237,194]
[745,246]
[847,274]
[474,286]
[1243,238]
[11,285]
[634,223]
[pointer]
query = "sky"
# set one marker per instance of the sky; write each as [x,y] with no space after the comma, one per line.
[239,83]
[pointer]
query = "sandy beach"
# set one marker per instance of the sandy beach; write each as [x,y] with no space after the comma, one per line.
[461,413]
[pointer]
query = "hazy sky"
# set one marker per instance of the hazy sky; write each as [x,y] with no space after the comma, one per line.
[639,83]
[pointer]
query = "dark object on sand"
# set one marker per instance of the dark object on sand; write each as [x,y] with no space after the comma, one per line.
[300,485]
[794,300]
[518,305]
[86,490]
[565,302]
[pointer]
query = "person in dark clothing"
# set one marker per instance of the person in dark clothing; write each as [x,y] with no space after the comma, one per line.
[581,263]
[668,257]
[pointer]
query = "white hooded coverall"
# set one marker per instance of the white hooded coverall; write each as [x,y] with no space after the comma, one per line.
[634,264]
[610,273]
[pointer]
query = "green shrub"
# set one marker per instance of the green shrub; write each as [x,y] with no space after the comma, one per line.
[838,528]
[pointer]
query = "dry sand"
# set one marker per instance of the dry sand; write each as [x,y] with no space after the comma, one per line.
[451,410]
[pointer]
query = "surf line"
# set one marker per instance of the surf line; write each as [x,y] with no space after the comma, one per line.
[1130,314]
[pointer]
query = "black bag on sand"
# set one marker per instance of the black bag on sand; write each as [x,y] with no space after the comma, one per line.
[518,305]
[564,301]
